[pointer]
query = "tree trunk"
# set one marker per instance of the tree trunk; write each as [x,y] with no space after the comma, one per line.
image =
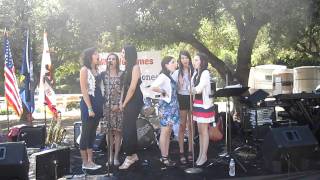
[247,39]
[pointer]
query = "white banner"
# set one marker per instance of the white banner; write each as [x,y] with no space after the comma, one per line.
[149,61]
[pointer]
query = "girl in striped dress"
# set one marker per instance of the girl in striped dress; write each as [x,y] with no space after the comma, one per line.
[203,112]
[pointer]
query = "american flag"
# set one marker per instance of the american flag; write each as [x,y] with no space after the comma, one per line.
[10,81]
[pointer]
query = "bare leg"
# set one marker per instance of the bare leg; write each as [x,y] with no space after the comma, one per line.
[168,140]
[164,138]
[205,144]
[117,144]
[190,124]
[84,156]
[109,139]
[190,138]
[89,153]
[182,129]
[200,142]
[203,132]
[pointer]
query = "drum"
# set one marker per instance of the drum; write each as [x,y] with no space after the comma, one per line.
[145,133]
[147,111]
[150,107]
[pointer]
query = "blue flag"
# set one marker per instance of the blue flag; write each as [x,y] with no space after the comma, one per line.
[27,88]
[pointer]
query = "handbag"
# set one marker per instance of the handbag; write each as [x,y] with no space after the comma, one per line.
[215,133]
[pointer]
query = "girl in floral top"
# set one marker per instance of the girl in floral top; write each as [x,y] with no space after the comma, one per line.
[112,116]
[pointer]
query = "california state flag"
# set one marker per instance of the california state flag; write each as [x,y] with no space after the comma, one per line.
[46,94]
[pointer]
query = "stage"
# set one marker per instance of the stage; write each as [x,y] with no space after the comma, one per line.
[149,166]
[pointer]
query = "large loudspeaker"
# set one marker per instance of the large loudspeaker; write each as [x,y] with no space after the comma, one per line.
[295,141]
[34,136]
[50,164]
[14,163]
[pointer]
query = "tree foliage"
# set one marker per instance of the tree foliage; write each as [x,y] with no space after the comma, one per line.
[163,22]
[235,34]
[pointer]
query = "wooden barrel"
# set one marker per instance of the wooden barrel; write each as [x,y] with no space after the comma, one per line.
[282,81]
[306,78]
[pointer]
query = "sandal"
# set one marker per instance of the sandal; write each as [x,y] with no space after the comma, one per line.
[183,159]
[167,162]
[127,163]
[190,157]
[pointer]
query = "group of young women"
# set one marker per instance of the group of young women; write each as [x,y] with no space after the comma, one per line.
[115,98]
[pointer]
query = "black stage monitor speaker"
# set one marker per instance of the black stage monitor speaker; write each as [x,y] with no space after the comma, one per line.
[51,163]
[14,163]
[34,136]
[295,141]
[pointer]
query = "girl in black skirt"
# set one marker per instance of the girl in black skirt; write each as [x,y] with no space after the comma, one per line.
[183,77]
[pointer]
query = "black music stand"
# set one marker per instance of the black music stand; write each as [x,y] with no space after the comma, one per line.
[230,92]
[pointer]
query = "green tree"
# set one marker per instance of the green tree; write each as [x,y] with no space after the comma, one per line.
[167,21]
[304,49]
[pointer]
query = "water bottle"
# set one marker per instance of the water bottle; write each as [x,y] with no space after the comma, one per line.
[232,168]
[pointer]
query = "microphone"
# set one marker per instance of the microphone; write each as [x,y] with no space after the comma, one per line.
[109,63]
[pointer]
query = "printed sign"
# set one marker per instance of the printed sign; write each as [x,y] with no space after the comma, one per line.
[149,61]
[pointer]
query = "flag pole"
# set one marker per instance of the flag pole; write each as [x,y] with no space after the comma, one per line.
[44,93]
[8,121]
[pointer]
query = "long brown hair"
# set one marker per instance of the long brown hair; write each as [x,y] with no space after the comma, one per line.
[130,53]
[203,66]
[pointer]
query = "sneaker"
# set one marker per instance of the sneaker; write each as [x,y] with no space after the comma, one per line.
[91,166]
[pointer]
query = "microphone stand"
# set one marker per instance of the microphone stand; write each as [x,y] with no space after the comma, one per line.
[193,169]
[109,131]
[45,114]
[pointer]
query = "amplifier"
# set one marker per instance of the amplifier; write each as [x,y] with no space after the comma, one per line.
[14,163]
[50,163]
[258,120]
[255,117]
[34,136]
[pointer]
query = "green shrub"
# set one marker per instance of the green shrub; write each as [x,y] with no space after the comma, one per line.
[73,105]
[4,112]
